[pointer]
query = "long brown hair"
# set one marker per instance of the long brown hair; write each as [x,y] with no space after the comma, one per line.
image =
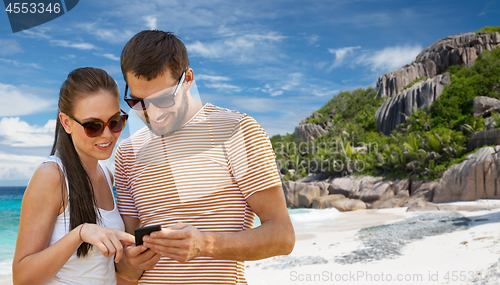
[81,82]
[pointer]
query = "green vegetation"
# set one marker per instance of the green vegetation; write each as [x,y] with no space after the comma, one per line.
[352,110]
[489,29]
[454,107]
[426,146]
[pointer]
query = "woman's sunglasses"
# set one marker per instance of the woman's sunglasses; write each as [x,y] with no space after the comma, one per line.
[95,128]
[164,101]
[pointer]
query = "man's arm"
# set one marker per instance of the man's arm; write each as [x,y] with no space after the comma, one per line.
[275,235]
[135,259]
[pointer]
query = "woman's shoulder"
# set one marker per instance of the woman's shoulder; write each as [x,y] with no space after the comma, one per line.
[46,182]
[49,172]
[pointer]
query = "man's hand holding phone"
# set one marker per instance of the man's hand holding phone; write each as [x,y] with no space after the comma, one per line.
[181,242]
[138,255]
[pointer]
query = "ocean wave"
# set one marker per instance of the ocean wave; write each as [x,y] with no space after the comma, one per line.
[5,267]
[313,215]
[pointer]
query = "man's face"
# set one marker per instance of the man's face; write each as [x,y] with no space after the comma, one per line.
[161,121]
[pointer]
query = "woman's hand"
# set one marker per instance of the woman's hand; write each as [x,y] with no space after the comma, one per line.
[108,241]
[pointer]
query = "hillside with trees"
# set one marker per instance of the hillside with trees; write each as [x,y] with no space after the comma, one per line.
[424,146]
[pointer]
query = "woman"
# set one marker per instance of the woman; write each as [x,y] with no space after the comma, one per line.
[70,226]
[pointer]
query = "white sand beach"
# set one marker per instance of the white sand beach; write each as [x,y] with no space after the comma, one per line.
[330,250]
[458,257]
[6,280]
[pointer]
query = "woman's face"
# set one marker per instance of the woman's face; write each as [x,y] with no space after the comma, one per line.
[101,106]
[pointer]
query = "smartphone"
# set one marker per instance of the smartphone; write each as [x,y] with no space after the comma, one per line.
[140,232]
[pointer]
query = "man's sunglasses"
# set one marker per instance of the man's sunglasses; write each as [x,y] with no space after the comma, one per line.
[95,128]
[164,101]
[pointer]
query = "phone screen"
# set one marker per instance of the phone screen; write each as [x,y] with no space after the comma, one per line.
[140,232]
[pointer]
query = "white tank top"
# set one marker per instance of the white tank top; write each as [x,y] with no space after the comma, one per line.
[94,268]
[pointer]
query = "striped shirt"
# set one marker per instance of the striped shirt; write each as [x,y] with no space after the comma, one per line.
[200,175]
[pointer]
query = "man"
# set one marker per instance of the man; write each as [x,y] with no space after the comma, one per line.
[200,171]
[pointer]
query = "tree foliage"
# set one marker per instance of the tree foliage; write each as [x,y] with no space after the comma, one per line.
[489,29]
[455,106]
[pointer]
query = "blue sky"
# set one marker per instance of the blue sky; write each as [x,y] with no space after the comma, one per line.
[276,60]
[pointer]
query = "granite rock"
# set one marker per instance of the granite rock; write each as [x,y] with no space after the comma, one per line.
[478,177]
[309,131]
[396,109]
[461,49]
[485,105]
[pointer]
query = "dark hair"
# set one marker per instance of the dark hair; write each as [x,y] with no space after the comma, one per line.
[149,52]
[81,82]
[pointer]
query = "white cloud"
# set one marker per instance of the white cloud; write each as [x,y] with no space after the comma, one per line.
[340,55]
[215,82]
[20,64]
[291,83]
[17,167]
[312,39]
[390,58]
[246,48]
[293,80]
[19,101]
[37,33]
[318,91]
[151,22]
[203,50]
[41,33]
[271,36]
[211,78]
[8,47]
[224,87]
[109,56]
[17,133]
[65,43]
[107,35]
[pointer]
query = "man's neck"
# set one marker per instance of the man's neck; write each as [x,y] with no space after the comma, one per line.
[194,107]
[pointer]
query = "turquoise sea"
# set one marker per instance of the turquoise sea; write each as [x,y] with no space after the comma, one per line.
[10,208]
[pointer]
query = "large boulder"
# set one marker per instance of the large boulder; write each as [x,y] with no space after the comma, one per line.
[461,49]
[414,185]
[327,201]
[380,192]
[291,190]
[482,138]
[307,195]
[475,178]
[366,183]
[347,204]
[345,186]
[323,187]
[400,185]
[309,131]
[422,197]
[397,201]
[422,94]
[312,116]
[485,105]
